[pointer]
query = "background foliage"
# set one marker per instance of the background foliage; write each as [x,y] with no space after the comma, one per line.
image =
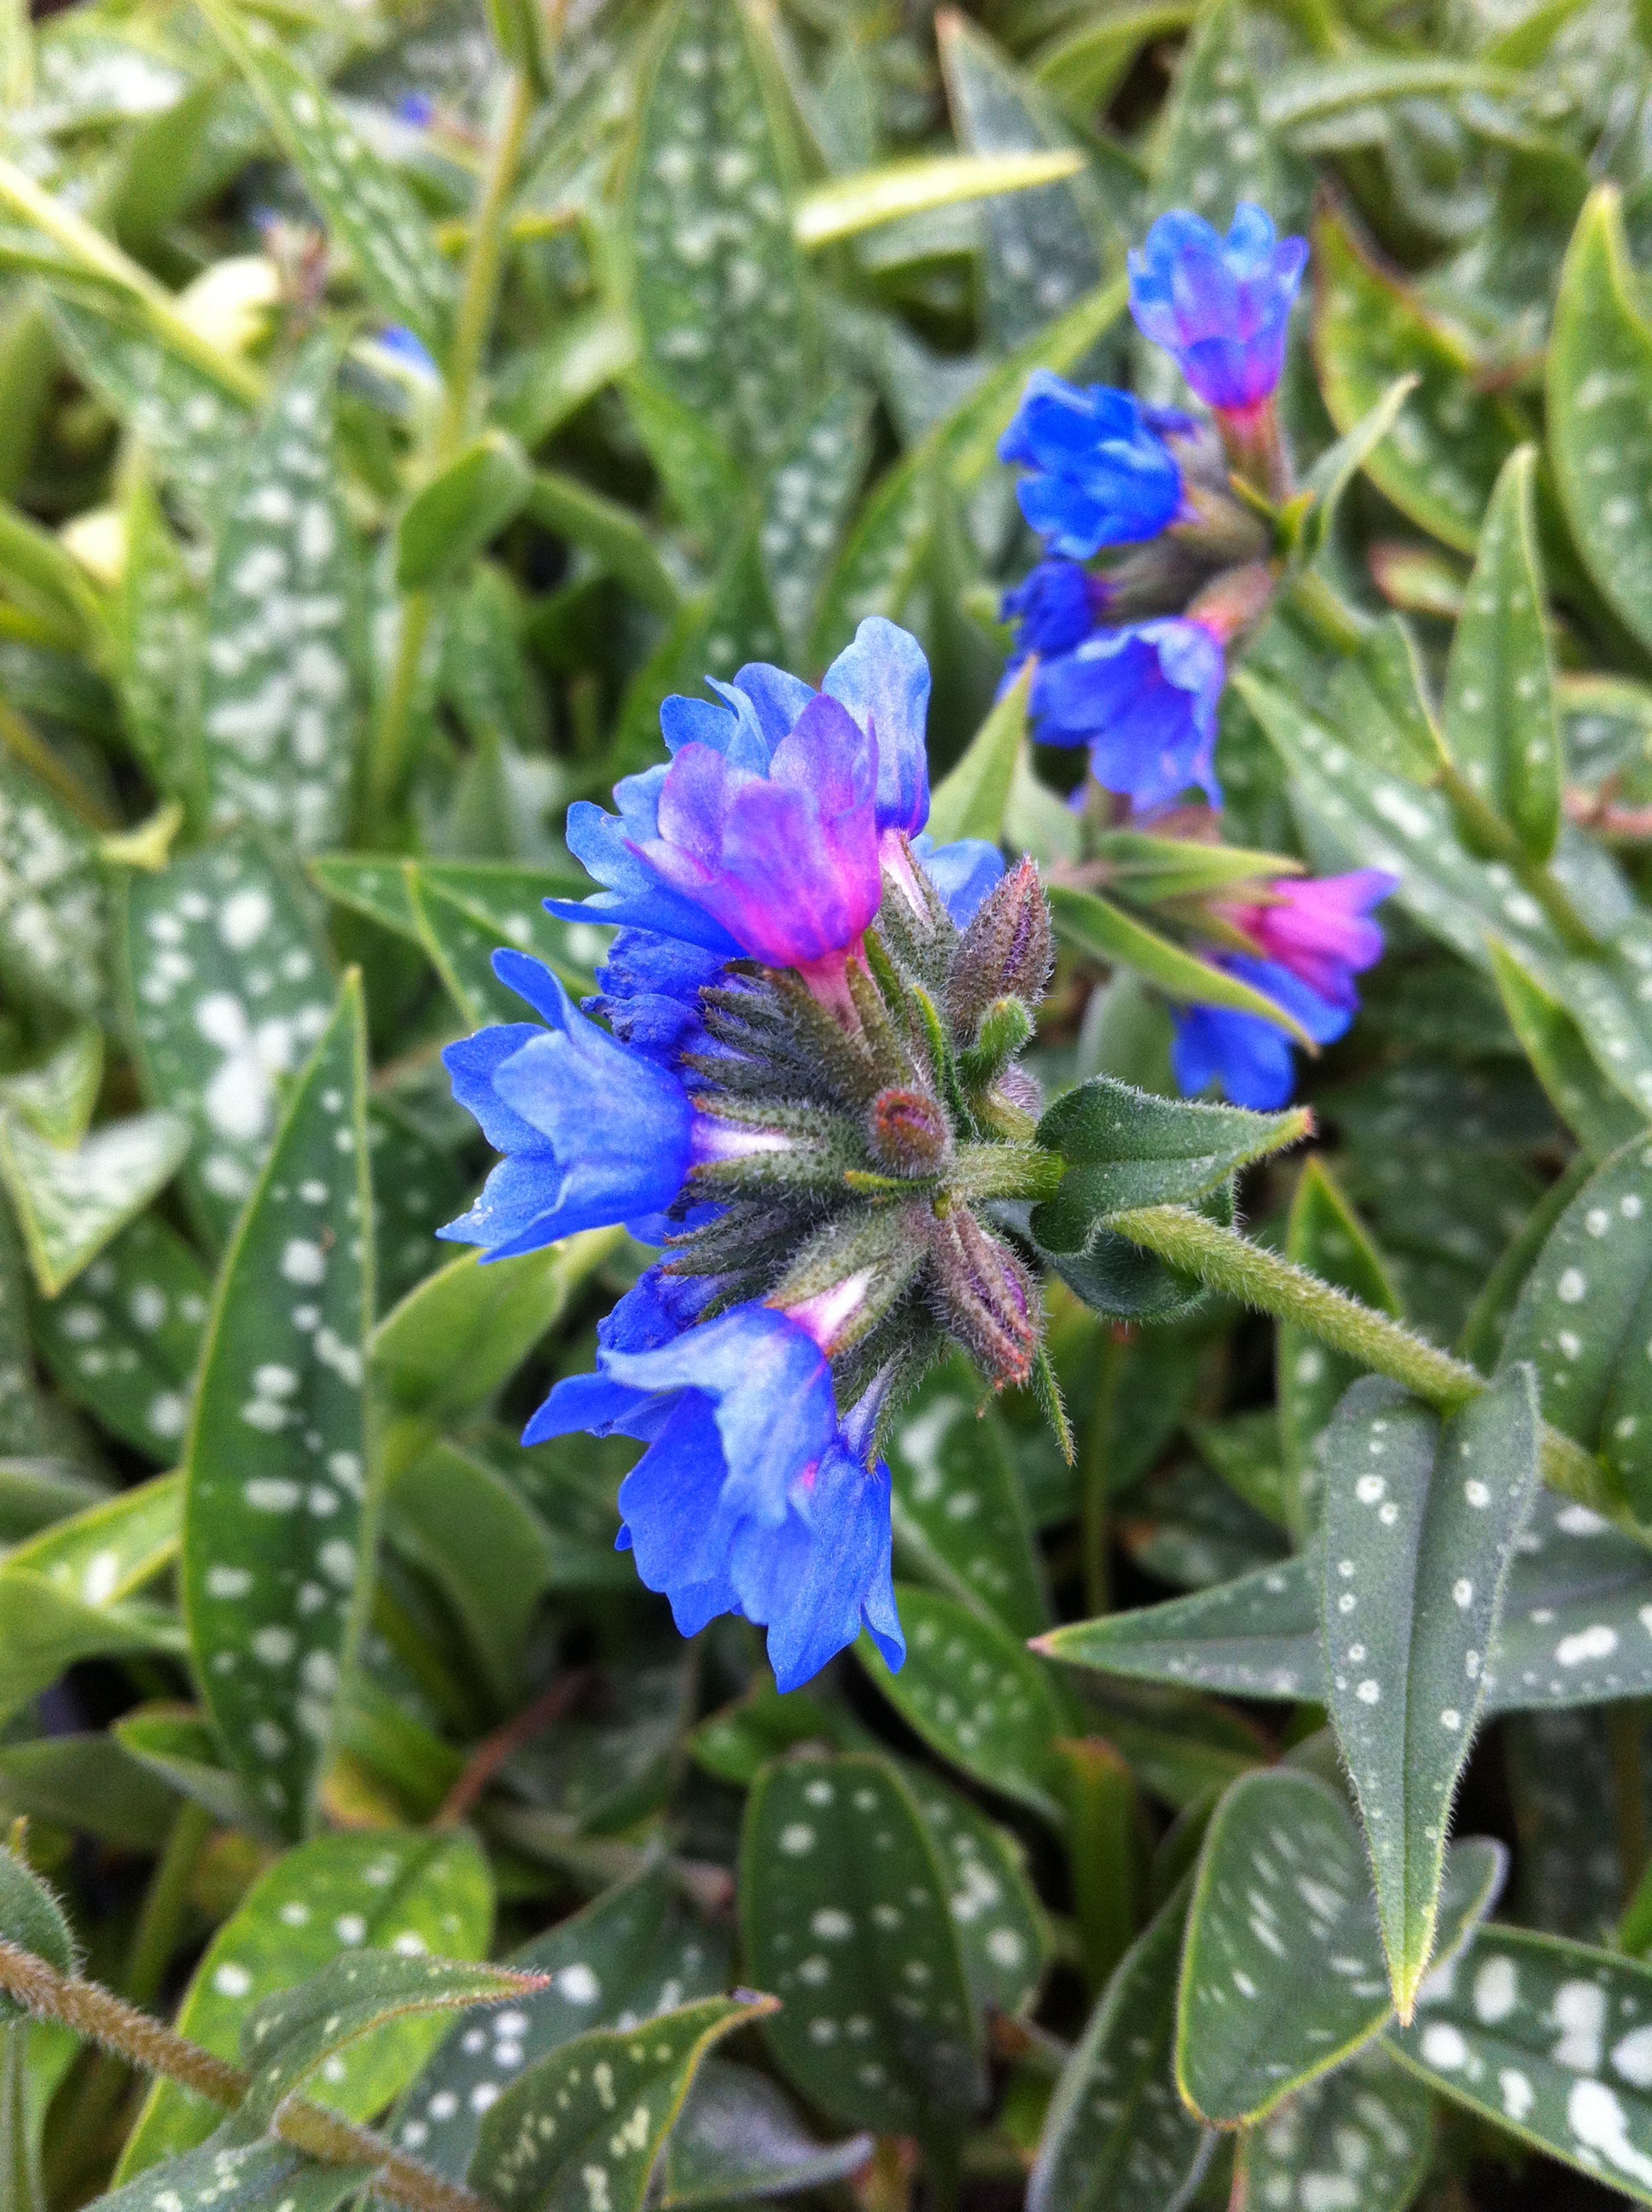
[396,403]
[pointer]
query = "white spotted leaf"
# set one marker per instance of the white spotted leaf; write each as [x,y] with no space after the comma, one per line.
[1600,387]
[739,2136]
[1282,1971]
[159,633]
[586,2125]
[222,2175]
[278,1525]
[1001,1926]
[808,502]
[69,1204]
[960,1517]
[637,1951]
[230,987]
[1421,1519]
[844,1916]
[1257,1636]
[1584,1318]
[424,1893]
[367,206]
[718,283]
[125,1343]
[278,701]
[1118,2137]
[1361,2137]
[977,1695]
[56,1096]
[1550,2040]
[1501,718]
[53,923]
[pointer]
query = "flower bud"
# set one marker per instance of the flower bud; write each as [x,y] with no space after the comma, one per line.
[1006,952]
[908,1132]
[986,1296]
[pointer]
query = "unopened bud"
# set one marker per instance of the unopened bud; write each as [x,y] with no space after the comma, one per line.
[1006,1026]
[989,1302]
[907,1131]
[1006,952]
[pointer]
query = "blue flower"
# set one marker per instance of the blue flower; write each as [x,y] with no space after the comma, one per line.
[396,340]
[1248,1056]
[1219,305]
[752,1497]
[1102,474]
[649,992]
[592,1133]
[963,873]
[1054,609]
[1144,699]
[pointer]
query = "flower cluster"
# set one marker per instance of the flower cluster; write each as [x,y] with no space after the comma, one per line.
[802,1081]
[1131,660]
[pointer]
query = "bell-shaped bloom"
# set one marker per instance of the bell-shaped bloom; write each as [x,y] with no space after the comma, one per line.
[649,992]
[1054,609]
[1144,699]
[1219,305]
[752,1497]
[1101,473]
[1321,929]
[1248,1057]
[591,1133]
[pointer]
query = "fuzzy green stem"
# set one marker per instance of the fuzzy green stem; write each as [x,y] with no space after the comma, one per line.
[1492,834]
[96,2012]
[388,761]
[1230,1262]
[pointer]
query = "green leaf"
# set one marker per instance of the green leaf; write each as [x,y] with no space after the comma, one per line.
[739,2136]
[1379,701]
[1362,2136]
[363,201]
[52,904]
[55,1097]
[1000,1924]
[286,2037]
[1084,68]
[1501,718]
[845,206]
[1094,926]
[958,1509]
[69,1204]
[1548,2040]
[90,1785]
[1282,1973]
[970,800]
[462,915]
[718,287]
[31,1918]
[610,532]
[418,1185]
[539,386]
[255,2177]
[278,698]
[1145,869]
[1324,1235]
[278,1522]
[810,501]
[1599,379]
[1127,1148]
[1441,461]
[1421,1519]
[460,511]
[445,1350]
[1040,248]
[1597,1113]
[1585,1311]
[177,1743]
[1213,148]
[198,934]
[1118,2137]
[636,1952]
[385,1890]
[587,2125]
[1255,1637]
[843,1914]
[1341,462]
[977,1695]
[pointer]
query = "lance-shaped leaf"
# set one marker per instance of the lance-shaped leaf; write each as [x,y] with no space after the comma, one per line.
[1213,148]
[1595,1110]
[452,519]
[55,1097]
[278,1527]
[717,282]
[1599,386]
[197,935]
[363,201]
[69,1204]
[1000,1924]
[177,1743]
[1097,926]
[277,694]
[1585,1314]
[89,1784]
[412,1894]
[1282,1971]
[846,206]
[1361,2137]
[52,922]
[1255,1637]
[970,800]
[637,1951]
[1421,1517]
[586,2125]
[238,2177]
[960,1516]
[975,1694]
[1324,1235]
[1341,463]
[844,1915]
[739,2136]
[1127,1148]
[1501,719]
[159,638]
[1118,2138]
[1550,2040]
[809,500]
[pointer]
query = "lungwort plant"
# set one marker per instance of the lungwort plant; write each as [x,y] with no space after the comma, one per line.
[753,1447]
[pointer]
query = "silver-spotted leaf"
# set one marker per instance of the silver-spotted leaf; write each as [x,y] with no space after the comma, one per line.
[53,923]
[278,1529]
[126,1340]
[69,1204]
[225,2176]
[739,2136]
[1001,1926]
[1361,2137]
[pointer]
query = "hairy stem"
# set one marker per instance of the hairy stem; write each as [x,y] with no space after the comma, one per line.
[1230,1262]
[96,2012]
